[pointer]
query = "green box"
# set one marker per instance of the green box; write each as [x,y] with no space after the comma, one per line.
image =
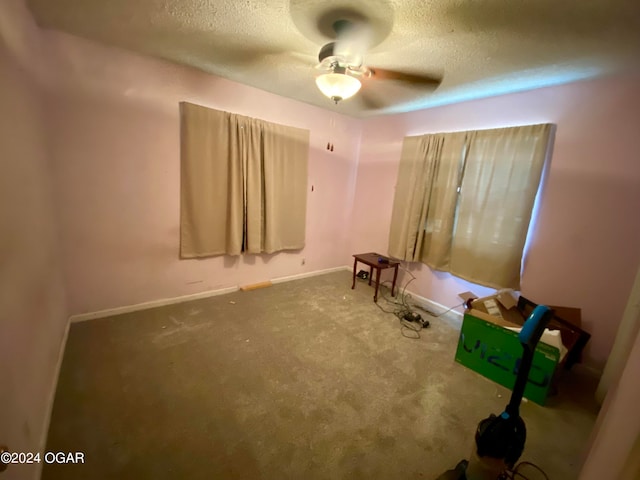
[495,352]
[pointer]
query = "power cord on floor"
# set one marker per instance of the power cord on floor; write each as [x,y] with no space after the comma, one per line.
[402,307]
[441,313]
[520,472]
[420,307]
[405,311]
[402,310]
[409,329]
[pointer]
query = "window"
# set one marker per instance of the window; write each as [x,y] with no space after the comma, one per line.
[472,216]
[243,184]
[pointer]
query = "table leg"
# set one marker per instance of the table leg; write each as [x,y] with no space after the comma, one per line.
[370,274]
[375,297]
[355,263]
[395,275]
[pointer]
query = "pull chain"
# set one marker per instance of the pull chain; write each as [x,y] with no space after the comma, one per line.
[332,124]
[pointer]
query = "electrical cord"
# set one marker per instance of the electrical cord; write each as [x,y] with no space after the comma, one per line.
[418,305]
[518,474]
[407,329]
[406,296]
[441,313]
[401,308]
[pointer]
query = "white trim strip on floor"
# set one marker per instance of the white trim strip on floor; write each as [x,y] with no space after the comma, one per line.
[186,298]
[52,392]
[452,316]
[309,274]
[152,304]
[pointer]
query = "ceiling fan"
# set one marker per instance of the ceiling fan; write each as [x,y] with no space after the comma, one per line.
[343,67]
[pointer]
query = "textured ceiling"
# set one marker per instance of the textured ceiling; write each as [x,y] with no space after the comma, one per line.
[479,47]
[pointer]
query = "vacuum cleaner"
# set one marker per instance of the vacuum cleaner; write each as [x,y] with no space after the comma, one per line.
[499,440]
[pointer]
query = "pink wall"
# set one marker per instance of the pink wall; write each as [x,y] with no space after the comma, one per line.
[615,443]
[115,136]
[33,313]
[108,135]
[584,251]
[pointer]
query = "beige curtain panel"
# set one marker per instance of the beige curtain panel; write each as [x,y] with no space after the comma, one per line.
[247,137]
[499,186]
[436,244]
[464,200]
[211,203]
[418,165]
[285,180]
[243,184]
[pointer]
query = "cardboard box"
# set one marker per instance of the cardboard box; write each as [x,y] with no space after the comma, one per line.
[492,350]
[569,321]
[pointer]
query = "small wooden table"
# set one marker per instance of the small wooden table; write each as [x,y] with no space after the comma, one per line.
[373,260]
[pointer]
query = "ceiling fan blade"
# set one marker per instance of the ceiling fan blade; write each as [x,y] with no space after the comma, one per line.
[370,101]
[353,40]
[413,78]
[246,56]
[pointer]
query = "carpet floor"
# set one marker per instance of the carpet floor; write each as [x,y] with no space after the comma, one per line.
[302,380]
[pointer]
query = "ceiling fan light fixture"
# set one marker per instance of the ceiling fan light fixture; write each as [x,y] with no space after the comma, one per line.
[338,86]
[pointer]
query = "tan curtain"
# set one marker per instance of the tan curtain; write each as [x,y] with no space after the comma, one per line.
[418,164]
[211,203]
[248,142]
[443,199]
[285,187]
[500,181]
[244,184]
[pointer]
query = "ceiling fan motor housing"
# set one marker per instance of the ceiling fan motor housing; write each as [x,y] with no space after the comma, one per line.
[326,51]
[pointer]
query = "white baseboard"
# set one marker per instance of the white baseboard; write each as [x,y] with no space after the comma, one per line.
[186,298]
[309,274]
[152,304]
[589,370]
[452,316]
[52,391]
